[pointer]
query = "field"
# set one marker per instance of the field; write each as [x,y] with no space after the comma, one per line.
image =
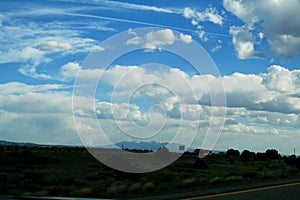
[73,172]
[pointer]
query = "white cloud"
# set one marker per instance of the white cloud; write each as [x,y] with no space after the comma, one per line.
[98,48]
[19,88]
[280,27]
[41,128]
[253,101]
[157,39]
[123,111]
[37,113]
[282,80]
[185,38]
[259,92]
[243,42]
[275,91]
[217,47]
[22,55]
[154,39]
[33,43]
[54,46]
[248,129]
[32,102]
[197,18]
[285,44]
[31,71]
[68,71]
[210,14]
[125,5]
[30,57]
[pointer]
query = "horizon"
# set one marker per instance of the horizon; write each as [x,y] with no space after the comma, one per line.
[48,63]
[191,150]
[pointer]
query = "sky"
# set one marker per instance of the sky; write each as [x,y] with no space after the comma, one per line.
[151,94]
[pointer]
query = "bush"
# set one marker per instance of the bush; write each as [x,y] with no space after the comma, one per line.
[234,179]
[34,176]
[232,152]
[216,180]
[188,182]
[135,188]
[148,187]
[162,179]
[273,154]
[298,162]
[250,174]
[260,157]
[118,188]
[200,164]
[247,156]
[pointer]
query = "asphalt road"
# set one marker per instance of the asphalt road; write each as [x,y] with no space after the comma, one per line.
[278,192]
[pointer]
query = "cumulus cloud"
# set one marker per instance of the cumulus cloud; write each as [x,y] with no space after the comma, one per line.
[124,111]
[41,128]
[32,102]
[282,80]
[54,46]
[256,92]
[280,27]
[185,38]
[250,129]
[243,41]
[274,91]
[157,39]
[269,101]
[68,71]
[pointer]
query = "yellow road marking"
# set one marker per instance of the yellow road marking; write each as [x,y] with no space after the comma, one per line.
[243,191]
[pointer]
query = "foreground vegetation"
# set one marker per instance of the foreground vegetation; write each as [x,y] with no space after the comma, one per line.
[57,171]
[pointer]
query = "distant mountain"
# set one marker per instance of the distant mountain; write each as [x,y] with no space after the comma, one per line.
[23,144]
[29,144]
[141,145]
[151,145]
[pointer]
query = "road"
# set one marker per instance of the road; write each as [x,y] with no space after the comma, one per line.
[289,191]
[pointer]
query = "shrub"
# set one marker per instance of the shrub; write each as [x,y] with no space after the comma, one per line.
[247,156]
[249,174]
[34,176]
[200,164]
[188,182]
[232,152]
[118,188]
[234,179]
[135,188]
[162,179]
[273,154]
[216,180]
[298,162]
[148,187]
[260,157]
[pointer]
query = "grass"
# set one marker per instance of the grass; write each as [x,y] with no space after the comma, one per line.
[74,172]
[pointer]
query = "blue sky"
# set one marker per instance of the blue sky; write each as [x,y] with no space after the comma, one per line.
[255,46]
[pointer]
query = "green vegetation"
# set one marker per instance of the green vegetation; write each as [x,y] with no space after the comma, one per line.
[53,171]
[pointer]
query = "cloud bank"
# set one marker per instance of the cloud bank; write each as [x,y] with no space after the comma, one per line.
[258,105]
